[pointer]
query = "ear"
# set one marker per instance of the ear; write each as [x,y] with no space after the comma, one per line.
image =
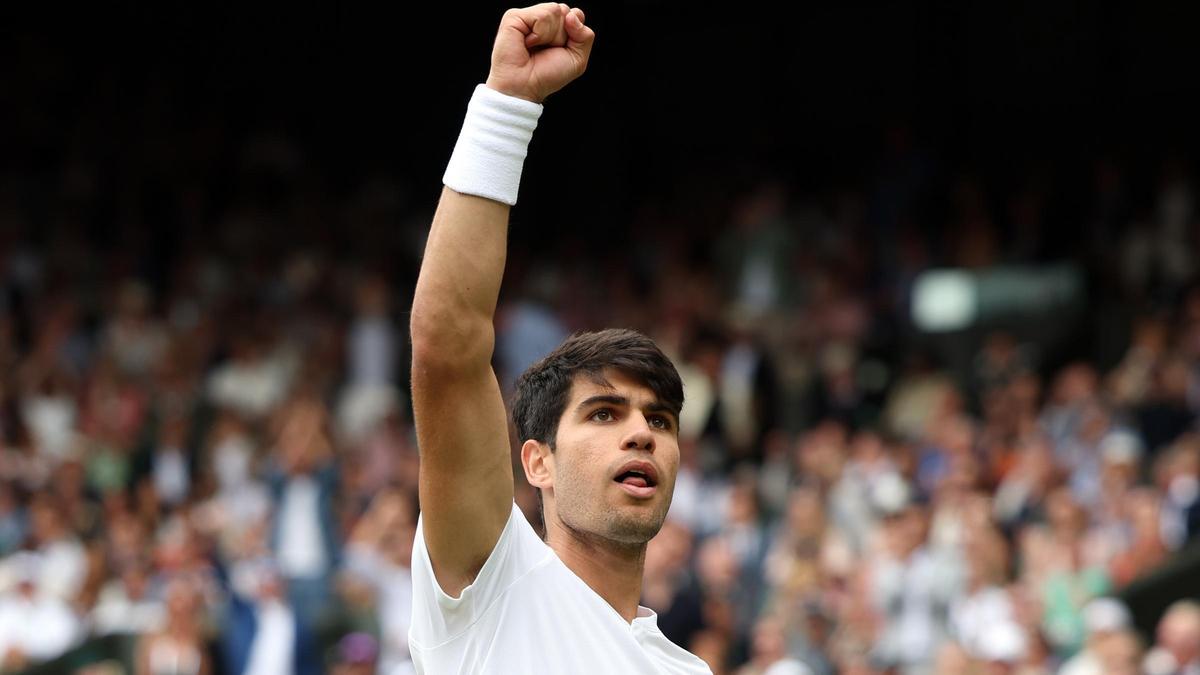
[538,463]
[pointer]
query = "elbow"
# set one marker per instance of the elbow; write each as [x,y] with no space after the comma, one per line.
[447,341]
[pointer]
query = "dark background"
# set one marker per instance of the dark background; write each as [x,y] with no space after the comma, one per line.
[1003,89]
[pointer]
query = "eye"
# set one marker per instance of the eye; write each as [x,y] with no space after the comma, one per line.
[660,422]
[602,415]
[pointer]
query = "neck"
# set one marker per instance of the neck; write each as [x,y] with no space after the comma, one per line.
[612,569]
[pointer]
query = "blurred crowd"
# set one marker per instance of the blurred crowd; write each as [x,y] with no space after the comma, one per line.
[207,461]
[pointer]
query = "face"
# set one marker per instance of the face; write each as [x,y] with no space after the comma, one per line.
[616,455]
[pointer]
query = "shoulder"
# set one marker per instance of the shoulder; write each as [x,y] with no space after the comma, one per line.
[438,616]
[671,656]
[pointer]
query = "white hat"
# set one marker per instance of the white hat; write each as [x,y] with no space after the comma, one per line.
[890,494]
[1004,641]
[1106,614]
[1121,447]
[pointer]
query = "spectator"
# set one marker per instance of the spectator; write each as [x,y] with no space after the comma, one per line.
[985,610]
[1072,579]
[379,553]
[769,654]
[178,645]
[303,529]
[1107,622]
[36,624]
[125,605]
[62,563]
[372,353]
[911,588]
[263,634]
[1177,641]
[1177,475]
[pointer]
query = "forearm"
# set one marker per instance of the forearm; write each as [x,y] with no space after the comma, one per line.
[466,482]
[464,257]
[459,283]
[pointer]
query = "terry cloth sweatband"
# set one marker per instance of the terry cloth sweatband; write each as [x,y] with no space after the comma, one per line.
[491,147]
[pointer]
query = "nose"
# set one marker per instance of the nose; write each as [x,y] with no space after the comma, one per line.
[639,437]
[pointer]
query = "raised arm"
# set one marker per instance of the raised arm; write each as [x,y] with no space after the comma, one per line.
[466,485]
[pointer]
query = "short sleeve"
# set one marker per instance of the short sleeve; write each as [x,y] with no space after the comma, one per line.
[438,617]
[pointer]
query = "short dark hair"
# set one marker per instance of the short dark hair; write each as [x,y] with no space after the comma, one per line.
[542,391]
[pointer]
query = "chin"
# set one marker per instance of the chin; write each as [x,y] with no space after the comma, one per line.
[634,529]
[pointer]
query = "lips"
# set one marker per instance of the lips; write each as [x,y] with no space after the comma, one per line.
[638,478]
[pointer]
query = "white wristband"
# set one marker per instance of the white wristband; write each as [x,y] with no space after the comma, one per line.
[491,147]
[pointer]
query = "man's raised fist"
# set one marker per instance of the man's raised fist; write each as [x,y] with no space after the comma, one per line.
[539,50]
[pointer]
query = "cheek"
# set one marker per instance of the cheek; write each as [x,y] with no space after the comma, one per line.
[671,460]
[580,469]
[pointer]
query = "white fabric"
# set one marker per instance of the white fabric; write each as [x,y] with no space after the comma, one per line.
[176,657]
[41,627]
[253,388]
[788,667]
[301,550]
[171,478]
[909,592]
[491,148]
[372,351]
[274,641]
[51,421]
[116,612]
[978,621]
[698,405]
[231,462]
[362,408]
[527,613]
[62,568]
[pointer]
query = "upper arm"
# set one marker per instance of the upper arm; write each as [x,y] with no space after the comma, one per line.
[466,481]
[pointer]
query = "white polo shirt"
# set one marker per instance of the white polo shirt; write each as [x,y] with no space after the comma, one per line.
[528,613]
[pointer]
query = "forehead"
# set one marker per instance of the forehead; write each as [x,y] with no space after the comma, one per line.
[609,382]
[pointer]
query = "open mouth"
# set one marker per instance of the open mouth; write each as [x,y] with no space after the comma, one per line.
[638,478]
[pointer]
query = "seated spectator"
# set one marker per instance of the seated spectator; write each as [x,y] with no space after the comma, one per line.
[125,605]
[63,563]
[1107,621]
[178,645]
[36,624]
[769,652]
[1176,646]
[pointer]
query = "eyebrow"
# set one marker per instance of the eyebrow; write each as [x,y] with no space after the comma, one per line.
[611,399]
[614,399]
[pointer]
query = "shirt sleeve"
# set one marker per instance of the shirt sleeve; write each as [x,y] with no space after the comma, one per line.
[436,616]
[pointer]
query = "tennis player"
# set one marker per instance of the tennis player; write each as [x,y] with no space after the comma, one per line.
[598,418]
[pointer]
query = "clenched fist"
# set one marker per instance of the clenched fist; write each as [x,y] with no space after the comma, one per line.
[539,50]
